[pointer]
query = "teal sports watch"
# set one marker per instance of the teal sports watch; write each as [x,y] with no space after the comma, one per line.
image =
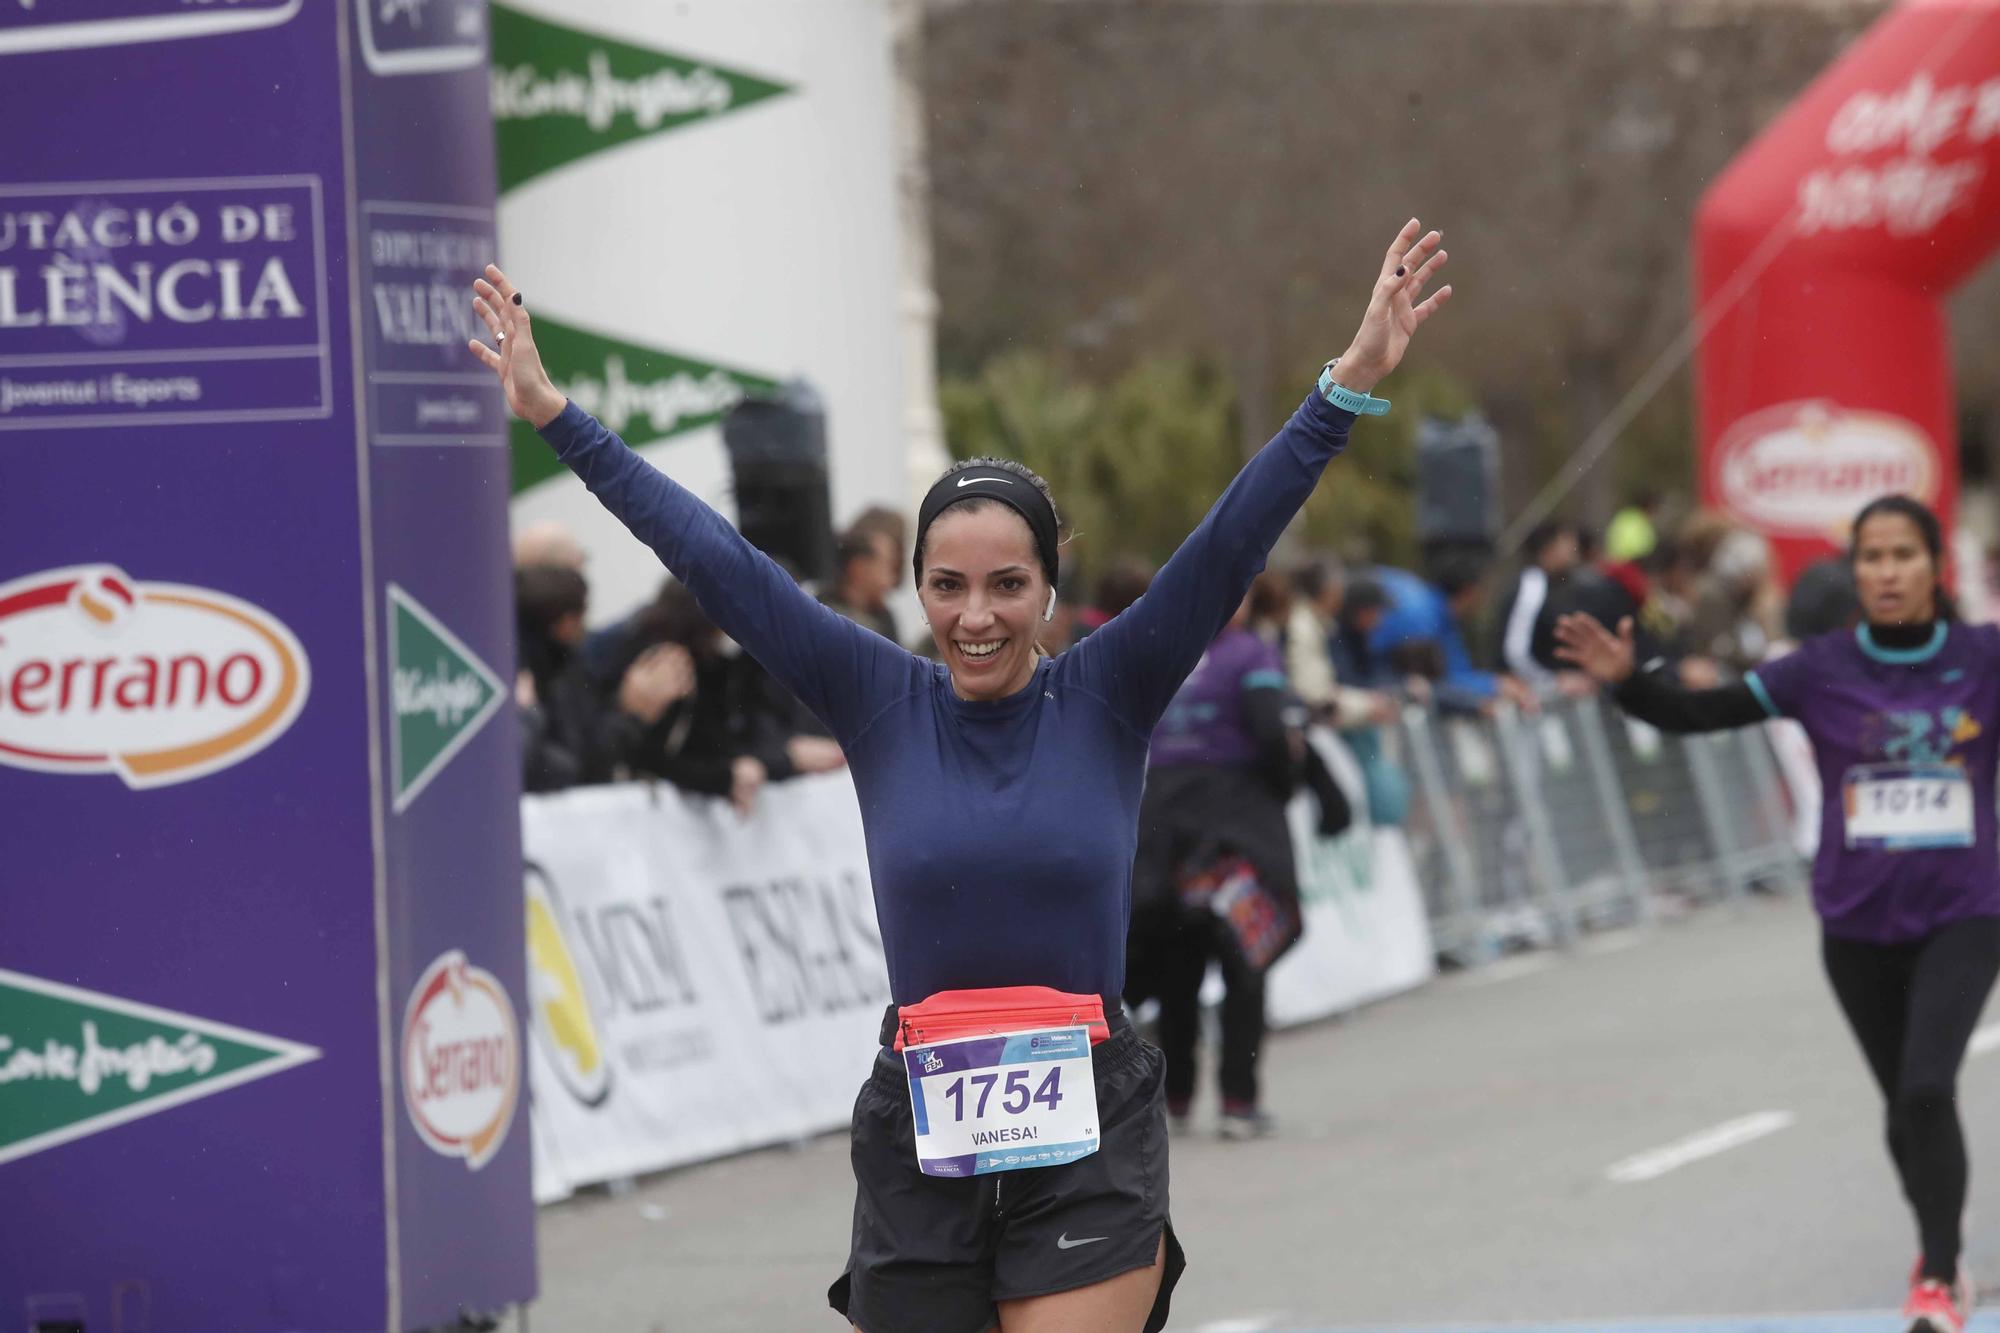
[1361,404]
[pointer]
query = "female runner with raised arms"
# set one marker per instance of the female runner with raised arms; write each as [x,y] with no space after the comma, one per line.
[1904,715]
[999,792]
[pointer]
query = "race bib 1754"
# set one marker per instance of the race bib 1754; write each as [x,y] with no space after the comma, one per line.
[1003,1103]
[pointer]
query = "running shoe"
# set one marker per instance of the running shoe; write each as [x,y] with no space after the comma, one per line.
[1934,1307]
[1239,1125]
[1965,1291]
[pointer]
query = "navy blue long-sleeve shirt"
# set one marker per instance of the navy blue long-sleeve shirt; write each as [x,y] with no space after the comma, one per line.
[1000,834]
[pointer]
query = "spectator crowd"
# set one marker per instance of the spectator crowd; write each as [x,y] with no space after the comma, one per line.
[662,694]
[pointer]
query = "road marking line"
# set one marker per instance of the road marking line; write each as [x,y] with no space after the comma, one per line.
[1249,1323]
[1730,1134]
[1986,1040]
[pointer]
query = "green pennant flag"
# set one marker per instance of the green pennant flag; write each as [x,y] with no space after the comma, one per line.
[440,695]
[75,1062]
[561,94]
[644,394]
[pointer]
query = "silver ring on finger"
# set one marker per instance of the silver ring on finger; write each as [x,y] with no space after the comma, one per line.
[500,337]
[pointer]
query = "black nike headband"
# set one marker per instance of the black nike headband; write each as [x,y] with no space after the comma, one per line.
[991,483]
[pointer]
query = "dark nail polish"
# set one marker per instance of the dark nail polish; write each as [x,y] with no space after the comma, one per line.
[517,298]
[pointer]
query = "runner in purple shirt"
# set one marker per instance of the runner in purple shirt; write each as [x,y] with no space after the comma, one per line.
[1904,716]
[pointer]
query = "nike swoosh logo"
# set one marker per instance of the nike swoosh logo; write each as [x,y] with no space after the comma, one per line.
[974,481]
[1063,1242]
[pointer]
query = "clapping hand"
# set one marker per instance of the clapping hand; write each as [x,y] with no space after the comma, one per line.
[1396,309]
[1585,644]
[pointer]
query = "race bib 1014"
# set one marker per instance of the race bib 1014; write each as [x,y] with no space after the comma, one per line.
[1898,808]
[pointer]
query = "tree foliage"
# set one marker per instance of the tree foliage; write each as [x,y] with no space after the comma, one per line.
[1135,462]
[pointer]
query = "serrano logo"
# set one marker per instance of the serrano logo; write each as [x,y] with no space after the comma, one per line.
[1804,467]
[461,1060]
[156,682]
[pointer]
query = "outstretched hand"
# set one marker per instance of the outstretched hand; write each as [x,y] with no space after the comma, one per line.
[1396,308]
[531,395]
[1583,642]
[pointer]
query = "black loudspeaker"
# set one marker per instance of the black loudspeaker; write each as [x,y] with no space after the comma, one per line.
[777,458]
[1458,483]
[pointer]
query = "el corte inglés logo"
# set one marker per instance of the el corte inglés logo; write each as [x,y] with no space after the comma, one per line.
[561,94]
[75,1062]
[156,682]
[461,1060]
[646,394]
[440,695]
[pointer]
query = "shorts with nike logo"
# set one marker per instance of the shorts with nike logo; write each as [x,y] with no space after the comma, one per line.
[932,1254]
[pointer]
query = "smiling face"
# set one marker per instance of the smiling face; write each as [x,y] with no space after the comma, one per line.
[983,591]
[1894,571]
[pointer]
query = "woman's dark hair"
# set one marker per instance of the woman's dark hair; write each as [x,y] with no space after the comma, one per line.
[1270,597]
[1124,582]
[1928,527]
[544,594]
[976,502]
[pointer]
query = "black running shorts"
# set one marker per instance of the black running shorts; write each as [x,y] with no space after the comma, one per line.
[933,1254]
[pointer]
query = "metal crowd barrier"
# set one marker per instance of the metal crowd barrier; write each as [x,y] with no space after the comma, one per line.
[1531,830]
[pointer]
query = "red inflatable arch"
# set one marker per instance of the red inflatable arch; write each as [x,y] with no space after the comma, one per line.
[1821,257]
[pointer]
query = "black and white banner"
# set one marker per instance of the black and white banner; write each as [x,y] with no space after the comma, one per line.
[699,983]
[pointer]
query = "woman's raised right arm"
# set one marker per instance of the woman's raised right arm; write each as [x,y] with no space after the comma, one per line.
[838,669]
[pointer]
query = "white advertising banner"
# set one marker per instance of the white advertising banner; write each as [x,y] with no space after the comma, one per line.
[699,984]
[1366,932]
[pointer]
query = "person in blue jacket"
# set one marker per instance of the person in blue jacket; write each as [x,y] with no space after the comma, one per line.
[999,792]
[1421,613]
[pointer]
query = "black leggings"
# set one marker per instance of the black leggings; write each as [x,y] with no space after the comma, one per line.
[1168,960]
[1913,1006]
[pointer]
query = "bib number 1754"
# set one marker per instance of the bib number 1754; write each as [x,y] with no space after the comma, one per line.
[1004,1102]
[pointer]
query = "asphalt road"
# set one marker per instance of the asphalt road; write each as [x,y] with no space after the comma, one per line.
[1667,1125]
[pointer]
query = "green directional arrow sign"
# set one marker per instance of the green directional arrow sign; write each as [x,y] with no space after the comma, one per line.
[561,94]
[440,694]
[74,1062]
[643,393]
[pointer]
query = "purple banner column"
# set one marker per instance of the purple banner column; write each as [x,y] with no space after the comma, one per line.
[260,920]
[436,433]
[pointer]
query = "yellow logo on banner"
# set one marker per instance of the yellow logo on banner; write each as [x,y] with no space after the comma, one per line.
[559,1005]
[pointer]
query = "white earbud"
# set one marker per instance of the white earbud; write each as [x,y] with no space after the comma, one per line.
[1049,613]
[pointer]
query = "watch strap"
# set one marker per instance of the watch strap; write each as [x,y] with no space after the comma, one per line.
[1361,404]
